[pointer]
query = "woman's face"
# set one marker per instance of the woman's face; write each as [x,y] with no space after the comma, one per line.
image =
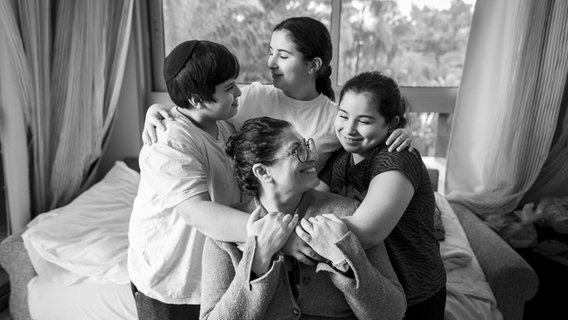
[288,173]
[290,72]
[358,125]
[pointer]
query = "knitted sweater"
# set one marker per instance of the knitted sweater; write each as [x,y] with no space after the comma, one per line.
[372,291]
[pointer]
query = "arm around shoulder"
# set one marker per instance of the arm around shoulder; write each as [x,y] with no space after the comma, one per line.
[378,214]
[214,220]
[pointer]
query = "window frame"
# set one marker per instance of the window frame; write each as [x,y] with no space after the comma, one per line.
[422,99]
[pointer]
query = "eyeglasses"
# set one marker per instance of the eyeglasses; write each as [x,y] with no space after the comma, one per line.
[303,150]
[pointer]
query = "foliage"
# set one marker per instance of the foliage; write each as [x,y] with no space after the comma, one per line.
[425,47]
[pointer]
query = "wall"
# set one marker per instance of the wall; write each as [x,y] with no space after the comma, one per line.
[125,139]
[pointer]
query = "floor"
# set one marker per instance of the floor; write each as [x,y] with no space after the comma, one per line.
[5,315]
[550,300]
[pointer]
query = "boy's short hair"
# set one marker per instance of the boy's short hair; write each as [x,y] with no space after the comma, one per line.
[195,67]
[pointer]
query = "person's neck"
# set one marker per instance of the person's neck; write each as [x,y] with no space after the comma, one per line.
[357,158]
[204,123]
[305,93]
[281,203]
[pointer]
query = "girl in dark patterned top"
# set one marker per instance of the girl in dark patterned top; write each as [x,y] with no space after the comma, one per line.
[400,207]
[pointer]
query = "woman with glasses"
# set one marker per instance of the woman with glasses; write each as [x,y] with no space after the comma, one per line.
[276,166]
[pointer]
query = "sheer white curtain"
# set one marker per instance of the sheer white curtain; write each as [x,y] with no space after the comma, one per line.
[68,59]
[508,139]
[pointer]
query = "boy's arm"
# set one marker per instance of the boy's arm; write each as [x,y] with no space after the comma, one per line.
[214,220]
[378,214]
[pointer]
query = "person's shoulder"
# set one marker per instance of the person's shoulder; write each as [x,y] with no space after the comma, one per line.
[339,156]
[382,153]
[328,103]
[259,88]
[332,202]
[178,129]
[325,105]
[226,126]
[408,162]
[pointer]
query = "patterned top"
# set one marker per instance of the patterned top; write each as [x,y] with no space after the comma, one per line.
[412,245]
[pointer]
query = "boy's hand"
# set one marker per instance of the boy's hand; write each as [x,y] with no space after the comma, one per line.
[271,231]
[321,233]
[400,139]
[254,223]
[154,116]
[300,250]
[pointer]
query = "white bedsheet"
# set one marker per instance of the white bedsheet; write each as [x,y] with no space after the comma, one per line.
[469,295]
[88,238]
[79,252]
[87,300]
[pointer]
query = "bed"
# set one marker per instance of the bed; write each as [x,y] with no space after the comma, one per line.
[70,263]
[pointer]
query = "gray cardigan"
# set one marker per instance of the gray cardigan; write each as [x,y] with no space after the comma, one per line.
[229,292]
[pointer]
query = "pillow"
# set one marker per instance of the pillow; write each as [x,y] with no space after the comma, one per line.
[88,238]
[469,295]
[455,249]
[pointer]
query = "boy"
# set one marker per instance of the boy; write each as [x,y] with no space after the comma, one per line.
[186,184]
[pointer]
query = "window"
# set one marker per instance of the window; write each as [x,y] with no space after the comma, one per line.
[421,43]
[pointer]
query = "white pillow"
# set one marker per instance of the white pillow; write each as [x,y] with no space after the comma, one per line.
[469,296]
[88,238]
[455,249]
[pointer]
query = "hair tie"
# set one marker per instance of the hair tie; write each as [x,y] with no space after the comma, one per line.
[175,61]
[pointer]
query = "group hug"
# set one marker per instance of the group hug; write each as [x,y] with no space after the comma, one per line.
[273,201]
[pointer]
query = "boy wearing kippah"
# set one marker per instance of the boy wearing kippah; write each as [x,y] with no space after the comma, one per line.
[186,184]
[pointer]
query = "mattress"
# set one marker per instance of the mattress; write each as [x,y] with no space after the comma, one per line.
[87,300]
[79,253]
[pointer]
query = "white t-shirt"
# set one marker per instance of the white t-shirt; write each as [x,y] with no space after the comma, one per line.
[164,254]
[312,119]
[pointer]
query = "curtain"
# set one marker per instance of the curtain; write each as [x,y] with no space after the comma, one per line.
[508,142]
[69,58]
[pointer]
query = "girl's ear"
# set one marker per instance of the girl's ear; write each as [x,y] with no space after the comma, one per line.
[261,172]
[394,123]
[316,64]
[195,101]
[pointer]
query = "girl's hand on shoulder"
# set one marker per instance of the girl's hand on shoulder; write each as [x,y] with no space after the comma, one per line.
[400,139]
[154,116]
[321,233]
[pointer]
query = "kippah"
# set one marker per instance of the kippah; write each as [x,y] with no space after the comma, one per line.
[175,61]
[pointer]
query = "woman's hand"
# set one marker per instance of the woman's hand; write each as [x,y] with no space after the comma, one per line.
[321,233]
[272,231]
[300,250]
[400,139]
[154,116]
